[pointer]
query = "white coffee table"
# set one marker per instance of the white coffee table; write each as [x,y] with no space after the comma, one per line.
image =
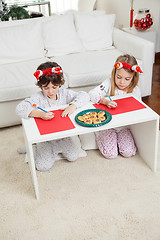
[144,125]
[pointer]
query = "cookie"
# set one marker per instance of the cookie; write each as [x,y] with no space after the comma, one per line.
[96,121]
[81,118]
[93,113]
[92,117]
[86,116]
[102,118]
[101,113]
[88,121]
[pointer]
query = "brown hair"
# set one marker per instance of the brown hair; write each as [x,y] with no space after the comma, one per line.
[131,61]
[55,79]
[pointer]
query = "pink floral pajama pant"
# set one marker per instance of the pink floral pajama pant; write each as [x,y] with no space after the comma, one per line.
[111,142]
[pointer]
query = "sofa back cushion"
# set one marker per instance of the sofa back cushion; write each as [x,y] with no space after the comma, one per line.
[95,30]
[88,68]
[21,42]
[60,37]
[17,80]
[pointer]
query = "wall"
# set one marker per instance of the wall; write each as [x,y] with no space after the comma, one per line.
[122,7]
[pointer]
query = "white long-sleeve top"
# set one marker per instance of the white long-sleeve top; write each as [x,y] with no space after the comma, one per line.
[96,94]
[64,96]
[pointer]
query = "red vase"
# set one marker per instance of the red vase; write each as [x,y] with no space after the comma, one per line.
[131,17]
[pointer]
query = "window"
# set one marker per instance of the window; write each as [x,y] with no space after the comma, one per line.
[57,6]
[60,6]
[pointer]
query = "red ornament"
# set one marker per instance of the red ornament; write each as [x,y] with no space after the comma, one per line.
[143,23]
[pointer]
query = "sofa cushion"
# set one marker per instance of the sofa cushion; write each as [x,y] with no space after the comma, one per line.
[21,42]
[97,12]
[60,37]
[95,30]
[17,80]
[89,68]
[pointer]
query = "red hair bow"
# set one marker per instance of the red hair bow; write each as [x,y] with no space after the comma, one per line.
[134,68]
[49,71]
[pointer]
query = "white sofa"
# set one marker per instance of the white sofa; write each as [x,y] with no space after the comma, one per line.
[86,45]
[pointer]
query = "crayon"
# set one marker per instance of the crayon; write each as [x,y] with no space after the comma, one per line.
[34,105]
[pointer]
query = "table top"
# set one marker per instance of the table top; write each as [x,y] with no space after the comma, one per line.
[136,32]
[119,120]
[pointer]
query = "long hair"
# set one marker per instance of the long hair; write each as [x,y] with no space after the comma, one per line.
[55,79]
[131,61]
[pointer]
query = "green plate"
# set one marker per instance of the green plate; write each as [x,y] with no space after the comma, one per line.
[108,117]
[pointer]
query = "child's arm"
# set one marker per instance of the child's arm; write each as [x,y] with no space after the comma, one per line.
[68,110]
[26,109]
[97,93]
[40,114]
[75,100]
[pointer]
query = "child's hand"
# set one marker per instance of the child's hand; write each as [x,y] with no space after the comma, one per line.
[108,103]
[68,110]
[41,114]
[111,104]
[46,116]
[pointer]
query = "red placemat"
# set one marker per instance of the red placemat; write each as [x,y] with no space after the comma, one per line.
[56,124]
[123,105]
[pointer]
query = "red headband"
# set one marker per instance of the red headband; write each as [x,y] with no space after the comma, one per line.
[134,68]
[49,71]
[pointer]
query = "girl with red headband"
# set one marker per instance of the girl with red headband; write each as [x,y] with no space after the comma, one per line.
[124,79]
[50,79]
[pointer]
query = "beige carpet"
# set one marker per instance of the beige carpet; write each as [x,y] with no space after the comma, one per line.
[90,199]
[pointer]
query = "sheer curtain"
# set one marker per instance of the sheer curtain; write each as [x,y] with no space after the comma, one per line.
[60,6]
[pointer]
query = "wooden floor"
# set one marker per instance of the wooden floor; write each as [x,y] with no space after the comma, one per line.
[153,101]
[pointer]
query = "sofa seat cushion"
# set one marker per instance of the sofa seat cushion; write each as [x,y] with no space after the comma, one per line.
[89,68]
[17,80]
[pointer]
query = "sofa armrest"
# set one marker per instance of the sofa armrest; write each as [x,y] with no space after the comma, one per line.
[142,50]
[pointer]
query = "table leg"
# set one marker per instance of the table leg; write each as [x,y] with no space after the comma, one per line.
[30,158]
[146,136]
[33,170]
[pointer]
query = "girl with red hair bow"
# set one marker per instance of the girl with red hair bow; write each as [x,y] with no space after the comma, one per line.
[124,79]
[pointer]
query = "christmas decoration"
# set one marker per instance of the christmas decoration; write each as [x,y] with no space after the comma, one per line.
[15,12]
[143,20]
